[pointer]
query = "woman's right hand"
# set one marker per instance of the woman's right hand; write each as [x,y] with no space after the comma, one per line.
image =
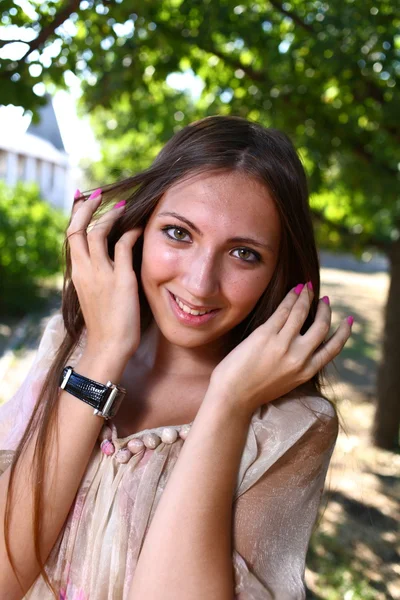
[107,290]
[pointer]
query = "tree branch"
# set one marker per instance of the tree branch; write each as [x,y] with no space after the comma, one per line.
[296,19]
[5,42]
[62,15]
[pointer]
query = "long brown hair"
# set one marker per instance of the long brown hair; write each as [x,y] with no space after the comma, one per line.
[224,143]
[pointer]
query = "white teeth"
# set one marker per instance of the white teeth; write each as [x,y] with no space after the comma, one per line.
[189,310]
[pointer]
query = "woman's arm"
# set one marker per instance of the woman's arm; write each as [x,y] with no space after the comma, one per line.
[187,551]
[78,430]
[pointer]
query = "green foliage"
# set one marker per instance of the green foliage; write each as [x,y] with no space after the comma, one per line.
[31,237]
[349,221]
[326,73]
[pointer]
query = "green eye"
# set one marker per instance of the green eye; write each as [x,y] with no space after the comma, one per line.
[256,256]
[243,250]
[168,227]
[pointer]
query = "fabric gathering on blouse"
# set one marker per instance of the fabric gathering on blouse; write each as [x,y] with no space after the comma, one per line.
[278,491]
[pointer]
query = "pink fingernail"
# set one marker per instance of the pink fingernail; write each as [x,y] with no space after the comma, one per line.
[309,285]
[298,288]
[95,194]
[119,204]
[325,299]
[77,194]
[350,320]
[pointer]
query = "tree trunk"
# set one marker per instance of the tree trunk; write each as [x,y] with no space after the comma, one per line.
[387,416]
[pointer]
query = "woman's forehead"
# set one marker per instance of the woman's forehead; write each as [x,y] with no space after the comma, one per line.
[233,193]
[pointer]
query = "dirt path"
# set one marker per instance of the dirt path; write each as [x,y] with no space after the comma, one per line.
[354,554]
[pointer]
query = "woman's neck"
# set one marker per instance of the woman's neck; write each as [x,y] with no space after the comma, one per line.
[164,358]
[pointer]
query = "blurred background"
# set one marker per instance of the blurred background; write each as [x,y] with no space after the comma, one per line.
[90,92]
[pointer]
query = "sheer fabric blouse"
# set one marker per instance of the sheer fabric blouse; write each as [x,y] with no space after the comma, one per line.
[275,504]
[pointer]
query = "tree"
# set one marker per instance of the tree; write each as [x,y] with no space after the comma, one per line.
[31,237]
[324,73]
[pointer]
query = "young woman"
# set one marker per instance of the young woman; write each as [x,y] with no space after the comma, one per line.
[205,482]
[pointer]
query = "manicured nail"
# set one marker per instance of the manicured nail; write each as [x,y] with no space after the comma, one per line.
[309,285]
[77,194]
[95,194]
[325,299]
[119,204]
[298,288]
[350,320]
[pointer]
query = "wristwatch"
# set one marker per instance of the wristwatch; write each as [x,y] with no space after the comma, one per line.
[105,399]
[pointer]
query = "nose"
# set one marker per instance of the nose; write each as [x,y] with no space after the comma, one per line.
[201,277]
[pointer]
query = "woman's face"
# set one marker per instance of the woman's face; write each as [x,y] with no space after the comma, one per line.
[190,254]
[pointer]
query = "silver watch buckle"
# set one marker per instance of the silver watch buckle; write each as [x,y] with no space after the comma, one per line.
[109,403]
[66,378]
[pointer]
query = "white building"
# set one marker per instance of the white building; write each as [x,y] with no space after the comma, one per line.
[38,155]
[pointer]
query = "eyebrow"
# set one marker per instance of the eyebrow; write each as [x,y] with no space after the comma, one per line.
[237,239]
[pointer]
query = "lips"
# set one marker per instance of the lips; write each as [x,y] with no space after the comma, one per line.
[189,319]
[200,309]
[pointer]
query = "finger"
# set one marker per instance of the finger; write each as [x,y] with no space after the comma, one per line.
[77,202]
[76,231]
[331,348]
[281,314]
[97,237]
[123,251]
[79,199]
[319,330]
[298,314]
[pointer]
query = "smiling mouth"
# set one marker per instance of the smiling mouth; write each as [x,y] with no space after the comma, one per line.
[188,309]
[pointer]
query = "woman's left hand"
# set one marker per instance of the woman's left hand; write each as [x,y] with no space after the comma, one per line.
[275,358]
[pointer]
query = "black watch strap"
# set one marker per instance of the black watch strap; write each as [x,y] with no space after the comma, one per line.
[105,399]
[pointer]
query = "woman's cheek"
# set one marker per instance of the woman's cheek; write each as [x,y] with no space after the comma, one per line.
[159,262]
[246,287]
[248,291]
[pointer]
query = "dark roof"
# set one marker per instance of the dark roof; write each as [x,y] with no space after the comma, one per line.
[48,128]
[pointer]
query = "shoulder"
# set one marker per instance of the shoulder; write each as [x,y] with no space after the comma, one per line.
[296,411]
[309,423]
[54,324]
[304,415]
[53,333]
[324,411]
[284,427]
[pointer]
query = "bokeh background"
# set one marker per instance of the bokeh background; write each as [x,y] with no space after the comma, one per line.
[90,92]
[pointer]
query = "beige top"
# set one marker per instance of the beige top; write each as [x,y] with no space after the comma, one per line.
[276,499]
